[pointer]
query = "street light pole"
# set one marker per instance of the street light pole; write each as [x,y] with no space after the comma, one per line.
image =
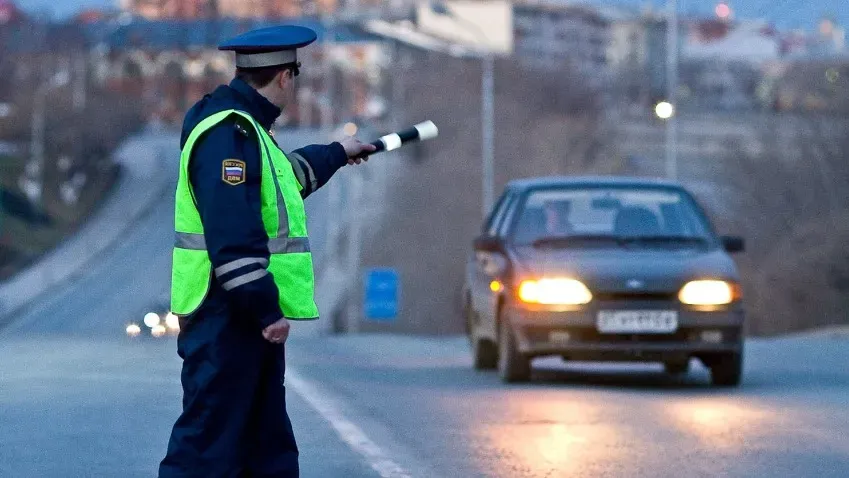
[487,131]
[672,88]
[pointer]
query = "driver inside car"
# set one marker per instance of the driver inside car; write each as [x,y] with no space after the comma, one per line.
[557,218]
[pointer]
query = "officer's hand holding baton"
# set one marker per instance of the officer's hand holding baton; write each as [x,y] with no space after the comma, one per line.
[358,152]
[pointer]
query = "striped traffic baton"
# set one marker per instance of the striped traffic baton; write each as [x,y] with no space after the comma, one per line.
[420,132]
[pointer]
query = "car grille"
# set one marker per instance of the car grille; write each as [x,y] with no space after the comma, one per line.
[591,335]
[616,296]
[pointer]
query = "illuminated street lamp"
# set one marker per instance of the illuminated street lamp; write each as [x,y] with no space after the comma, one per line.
[350,129]
[664,110]
[723,11]
[671,162]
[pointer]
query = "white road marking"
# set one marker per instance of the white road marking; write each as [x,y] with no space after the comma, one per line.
[350,433]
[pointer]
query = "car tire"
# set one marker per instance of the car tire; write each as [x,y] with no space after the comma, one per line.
[513,366]
[469,318]
[726,370]
[484,352]
[677,367]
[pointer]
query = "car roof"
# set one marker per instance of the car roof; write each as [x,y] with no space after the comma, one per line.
[592,181]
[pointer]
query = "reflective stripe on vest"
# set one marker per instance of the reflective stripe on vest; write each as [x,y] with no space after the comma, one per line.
[277,245]
[284,219]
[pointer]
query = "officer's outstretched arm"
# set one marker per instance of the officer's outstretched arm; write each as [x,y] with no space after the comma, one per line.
[225,175]
[315,164]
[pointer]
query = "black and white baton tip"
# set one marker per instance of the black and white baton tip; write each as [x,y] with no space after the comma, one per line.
[420,132]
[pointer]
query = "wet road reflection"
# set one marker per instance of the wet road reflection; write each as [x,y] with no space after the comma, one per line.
[721,425]
[551,438]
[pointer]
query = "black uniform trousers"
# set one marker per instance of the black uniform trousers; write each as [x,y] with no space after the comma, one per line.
[234,421]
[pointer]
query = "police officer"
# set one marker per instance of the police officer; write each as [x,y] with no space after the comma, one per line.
[242,265]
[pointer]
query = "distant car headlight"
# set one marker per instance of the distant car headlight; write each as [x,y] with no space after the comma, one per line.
[151,319]
[554,291]
[172,322]
[158,330]
[133,330]
[708,292]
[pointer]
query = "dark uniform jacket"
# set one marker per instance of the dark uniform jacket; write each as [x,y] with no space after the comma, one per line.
[231,214]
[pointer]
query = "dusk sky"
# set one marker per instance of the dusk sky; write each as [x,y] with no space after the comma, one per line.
[784,13]
[63,8]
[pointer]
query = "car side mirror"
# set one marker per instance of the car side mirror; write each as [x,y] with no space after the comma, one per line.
[487,244]
[733,244]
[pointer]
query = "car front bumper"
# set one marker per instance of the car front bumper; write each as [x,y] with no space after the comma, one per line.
[574,335]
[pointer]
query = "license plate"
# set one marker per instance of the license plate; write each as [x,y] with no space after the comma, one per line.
[637,321]
[558,336]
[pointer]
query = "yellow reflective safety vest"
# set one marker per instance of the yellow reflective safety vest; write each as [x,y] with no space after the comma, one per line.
[283,216]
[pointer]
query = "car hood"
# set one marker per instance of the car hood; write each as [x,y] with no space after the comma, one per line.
[634,270]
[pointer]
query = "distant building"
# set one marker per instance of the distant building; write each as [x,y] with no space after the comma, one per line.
[169,64]
[254,9]
[829,41]
[159,9]
[636,55]
[91,16]
[555,36]
[731,41]
[8,12]
[628,41]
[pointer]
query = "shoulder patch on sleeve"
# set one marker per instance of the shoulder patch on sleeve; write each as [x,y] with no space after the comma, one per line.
[233,171]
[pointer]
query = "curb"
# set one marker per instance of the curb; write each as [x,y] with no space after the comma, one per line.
[836,332]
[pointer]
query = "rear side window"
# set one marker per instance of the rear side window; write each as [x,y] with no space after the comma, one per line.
[502,207]
[492,214]
[509,214]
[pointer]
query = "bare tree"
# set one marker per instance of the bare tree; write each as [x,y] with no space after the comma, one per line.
[77,170]
[791,203]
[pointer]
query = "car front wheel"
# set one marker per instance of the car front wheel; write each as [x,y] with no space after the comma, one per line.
[484,352]
[513,366]
[726,370]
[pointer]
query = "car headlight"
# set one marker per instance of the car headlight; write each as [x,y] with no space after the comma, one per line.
[151,319]
[133,330]
[708,292]
[172,322]
[554,291]
[158,330]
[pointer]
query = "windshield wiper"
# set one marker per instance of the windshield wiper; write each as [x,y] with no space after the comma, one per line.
[569,240]
[663,239]
[555,241]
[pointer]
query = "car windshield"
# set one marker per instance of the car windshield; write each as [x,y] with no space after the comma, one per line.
[643,216]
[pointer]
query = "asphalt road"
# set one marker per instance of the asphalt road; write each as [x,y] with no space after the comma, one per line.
[79,399]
